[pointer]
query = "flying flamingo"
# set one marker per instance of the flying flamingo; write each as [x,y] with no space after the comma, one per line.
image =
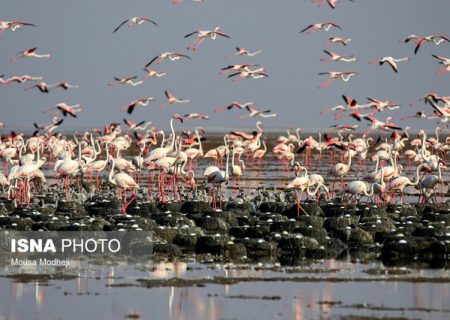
[433,39]
[64,85]
[123,182]
[326,26]
[252,112]
[171,55]
[343,41]
[331,3]
[152,73]
[445,61]
[23,79]
[66,109]
[41,86]
[171,100]
[14,25]
[237,67]
[335,57]
[30,53]
[234,105]
[334,75]
[204,34]
[133,104]
[242,52]
[391,61]
[128,80]
[135,21]
[137,126]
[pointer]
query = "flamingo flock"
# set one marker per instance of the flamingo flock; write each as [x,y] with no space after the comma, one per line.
[137,159]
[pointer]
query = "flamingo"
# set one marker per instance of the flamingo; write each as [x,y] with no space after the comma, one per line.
[433,39]
[138,102]
[334,75]
[152,73]
[445,61]
[343,41]
[236,170]
[391,61]
[204,34]
[401,182]
[41,86]
[124,182]
[65,86]
[137,126]
[234,105]
[242,52]
[326,26]
[128,80]
[335,57]
[135,21]
[30,53]
[172,100]
[300,184]
[256,113]
[67,110]
[217,177]
[170,55]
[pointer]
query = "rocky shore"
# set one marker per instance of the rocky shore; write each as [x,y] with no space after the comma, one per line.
[244,232]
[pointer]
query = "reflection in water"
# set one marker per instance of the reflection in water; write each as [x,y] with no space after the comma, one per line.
[92,296]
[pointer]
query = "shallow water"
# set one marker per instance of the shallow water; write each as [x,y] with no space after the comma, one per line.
[110,291]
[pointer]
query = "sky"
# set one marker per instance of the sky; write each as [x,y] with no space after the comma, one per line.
[85,52]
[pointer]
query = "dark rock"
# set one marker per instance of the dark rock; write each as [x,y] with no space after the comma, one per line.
[212,224]
[166,249]
[235,251]
[193,207]
[211,244]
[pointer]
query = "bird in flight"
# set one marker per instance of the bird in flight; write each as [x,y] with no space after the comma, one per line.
[136,126]
[198,116]
[433,39]
[203,35]
[66,109]
[391,61]
[152,73]
[128,80]
[334,75]
[326,26]
[135,21]
[343,41]
[234,105]
[444,61]
[252,112]
[247,73]
[333,56]
[242,52]
[56,122]
[41,86]
[30,53]
[65,86]
[171,55]
[133,104]
[171,99]
[331,3]
[14,25]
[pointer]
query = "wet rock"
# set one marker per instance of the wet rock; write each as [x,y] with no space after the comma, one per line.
[166,249]
[358,238]
[274,207]
[193,207]
[258,231]
[186,241]
[258,248]
[71,208]
[237,232]
[104,207]
[214,245]
[335,223]
[143,209]
[241,208]
[314,221]
[167,234]
[396,212]
[235,251]
[228,217]
[334,210]
[171,207]
[212,224]
[427,231]
[320,234]
[311,209]
[288,226]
